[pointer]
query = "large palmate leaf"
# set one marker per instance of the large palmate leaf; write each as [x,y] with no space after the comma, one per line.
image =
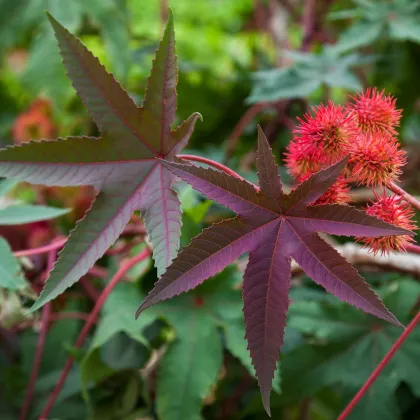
[120,164]
[308,72]
[395,19]
[347,345]
[272,227]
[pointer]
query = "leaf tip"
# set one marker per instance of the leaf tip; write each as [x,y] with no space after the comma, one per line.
[54,22]
[197,115]
[265,394]
[170,16]
[143,306]
[262,139]
[38,304]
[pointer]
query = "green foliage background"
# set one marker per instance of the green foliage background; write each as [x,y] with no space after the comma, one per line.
[187,358]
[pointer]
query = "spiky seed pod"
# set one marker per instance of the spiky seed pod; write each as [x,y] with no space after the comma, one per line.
[376,159]
[375,112]
[392,210]
[302,159]
[329,129]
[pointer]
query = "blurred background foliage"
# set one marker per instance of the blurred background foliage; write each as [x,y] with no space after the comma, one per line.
[242,62]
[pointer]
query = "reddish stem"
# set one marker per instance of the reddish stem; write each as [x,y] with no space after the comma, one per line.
[89,323]
[46,311]
[90,290]
[415,249]
[309,17]
[60,242]
[100,272]
[404,194]
[379,368]
[212,163]
[56,244]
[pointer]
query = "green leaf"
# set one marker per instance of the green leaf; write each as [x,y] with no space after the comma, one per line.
[21,214]
[6,185]
[117,318]
[347,345]
[10,272]
[281,84]
[236,344]
[189,369]
[120,164]
[405,28]
[378,402]
[359,35]
[307,74]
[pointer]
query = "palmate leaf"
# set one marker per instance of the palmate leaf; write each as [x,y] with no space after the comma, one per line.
[272,227]
[120,164]
[347,345]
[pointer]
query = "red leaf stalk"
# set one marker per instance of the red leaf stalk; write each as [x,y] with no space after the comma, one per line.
[56,244]
[46,312]
[212,163]
[405,195]
[372,378]
[89,323]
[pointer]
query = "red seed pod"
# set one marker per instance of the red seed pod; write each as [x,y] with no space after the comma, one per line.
[375,112]
[392,210]
[376,159]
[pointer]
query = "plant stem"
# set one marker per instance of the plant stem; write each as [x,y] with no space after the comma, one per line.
[54,245]
[241,125]
[414,249]
[407,197]
[380,367]
[212,163]
[45,319]
[88,325]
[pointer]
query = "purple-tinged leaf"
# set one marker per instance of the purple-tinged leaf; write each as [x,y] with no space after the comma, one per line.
[63,162]
[159,105]
[236,194]
[206,255]
[268,172]
[327,267]
[107,102]
[265,293]
[161,210]
[314,187]
[272,227]
[336,219]
[120,164]
[95,233]
[182,134]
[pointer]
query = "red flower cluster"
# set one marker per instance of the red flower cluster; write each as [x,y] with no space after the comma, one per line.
[375,113]
[391,210]
[364,129]
[321,139]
